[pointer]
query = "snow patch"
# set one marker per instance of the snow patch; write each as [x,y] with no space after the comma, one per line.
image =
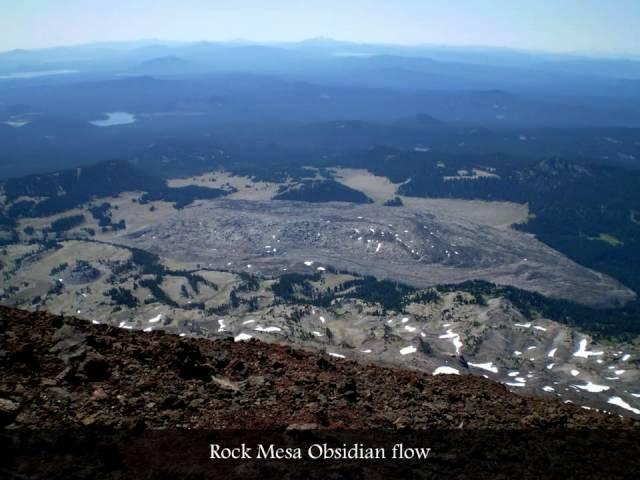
[592,387]
[583,352]
[408,350]
[267,329]
[455,338]
[622,404]
[446,371]
[488,366]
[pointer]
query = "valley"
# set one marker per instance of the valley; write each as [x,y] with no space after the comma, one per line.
[356,281]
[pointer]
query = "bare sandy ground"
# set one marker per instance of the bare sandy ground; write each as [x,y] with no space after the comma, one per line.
[247,189]
[381,189]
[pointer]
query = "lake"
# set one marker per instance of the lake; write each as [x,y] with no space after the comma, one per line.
[44,73]
[115,118]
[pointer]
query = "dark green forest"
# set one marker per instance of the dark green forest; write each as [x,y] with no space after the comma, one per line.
[614,323]
[321,191]
[590,213]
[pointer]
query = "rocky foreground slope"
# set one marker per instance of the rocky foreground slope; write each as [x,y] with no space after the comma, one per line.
[61,374]
[64,372]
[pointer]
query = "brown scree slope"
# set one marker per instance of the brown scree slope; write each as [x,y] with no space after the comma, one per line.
[66,372]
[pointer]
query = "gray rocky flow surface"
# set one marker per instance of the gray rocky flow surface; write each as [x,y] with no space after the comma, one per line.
[414,246]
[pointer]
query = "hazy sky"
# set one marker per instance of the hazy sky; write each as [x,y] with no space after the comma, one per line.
[558,25]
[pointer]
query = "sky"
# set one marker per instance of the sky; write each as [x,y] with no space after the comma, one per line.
[586,26]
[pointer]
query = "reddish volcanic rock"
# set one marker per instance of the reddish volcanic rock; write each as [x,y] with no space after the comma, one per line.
[65,372]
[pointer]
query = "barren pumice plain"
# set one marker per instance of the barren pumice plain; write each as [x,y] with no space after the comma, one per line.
[419,247]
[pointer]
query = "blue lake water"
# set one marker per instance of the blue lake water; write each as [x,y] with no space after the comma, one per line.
[17,123]
[44,73]
[115,118]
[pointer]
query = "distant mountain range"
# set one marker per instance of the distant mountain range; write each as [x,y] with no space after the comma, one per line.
[167,64]
[473,66]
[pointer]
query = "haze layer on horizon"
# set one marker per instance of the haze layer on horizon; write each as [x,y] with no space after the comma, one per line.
[587,26]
